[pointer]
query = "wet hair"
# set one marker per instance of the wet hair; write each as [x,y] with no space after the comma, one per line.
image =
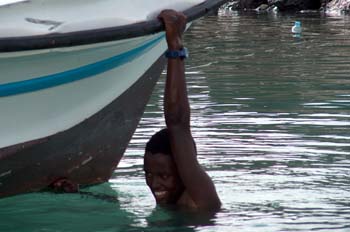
[159,143]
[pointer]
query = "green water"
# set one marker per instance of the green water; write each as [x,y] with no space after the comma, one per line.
[271,119]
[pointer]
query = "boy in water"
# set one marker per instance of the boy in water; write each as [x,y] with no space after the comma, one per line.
[171,167]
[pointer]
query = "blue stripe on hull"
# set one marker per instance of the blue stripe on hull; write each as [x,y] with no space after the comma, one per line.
[76,74]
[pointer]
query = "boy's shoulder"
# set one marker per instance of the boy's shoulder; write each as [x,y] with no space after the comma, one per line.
[186,201]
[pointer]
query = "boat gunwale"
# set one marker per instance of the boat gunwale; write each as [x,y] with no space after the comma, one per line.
[76,38]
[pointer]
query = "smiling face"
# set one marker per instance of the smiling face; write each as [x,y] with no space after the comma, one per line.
[162,178]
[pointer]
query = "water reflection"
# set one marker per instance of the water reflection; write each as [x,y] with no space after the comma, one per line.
[271,119]
[270,115]
[95,209]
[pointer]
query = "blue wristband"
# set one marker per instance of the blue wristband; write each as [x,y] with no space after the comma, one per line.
[182,54]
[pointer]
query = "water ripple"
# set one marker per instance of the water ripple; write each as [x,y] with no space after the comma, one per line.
[271,119]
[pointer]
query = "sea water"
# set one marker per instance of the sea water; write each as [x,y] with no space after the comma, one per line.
[271,119]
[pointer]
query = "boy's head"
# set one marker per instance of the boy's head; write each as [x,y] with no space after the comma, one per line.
[159,143]
[160,168]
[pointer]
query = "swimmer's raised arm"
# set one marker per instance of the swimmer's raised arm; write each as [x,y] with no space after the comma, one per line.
[198,184]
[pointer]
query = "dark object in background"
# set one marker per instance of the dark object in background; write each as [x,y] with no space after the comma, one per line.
[296,5]
[283,5]
[251,4]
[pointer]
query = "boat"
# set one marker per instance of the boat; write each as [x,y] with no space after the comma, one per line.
[75,79]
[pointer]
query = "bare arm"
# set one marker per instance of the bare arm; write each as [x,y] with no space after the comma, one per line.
[177,116]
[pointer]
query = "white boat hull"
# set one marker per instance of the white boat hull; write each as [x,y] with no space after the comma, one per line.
[74,83]
[62,87]
[62,16]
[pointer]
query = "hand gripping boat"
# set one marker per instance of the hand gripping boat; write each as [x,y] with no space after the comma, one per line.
[75,79]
